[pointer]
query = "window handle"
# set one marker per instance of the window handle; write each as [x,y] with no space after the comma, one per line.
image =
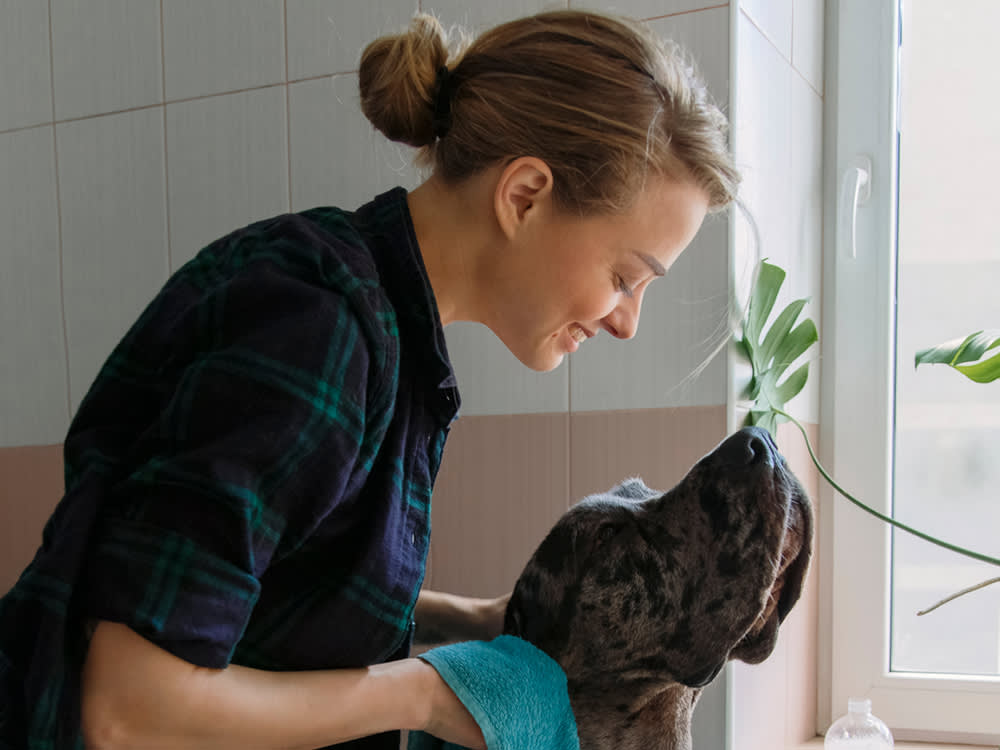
[855,189]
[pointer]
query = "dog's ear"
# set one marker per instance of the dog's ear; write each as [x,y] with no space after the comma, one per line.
[540,607]
[760,641]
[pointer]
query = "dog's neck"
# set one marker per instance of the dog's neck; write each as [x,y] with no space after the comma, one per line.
[655,719]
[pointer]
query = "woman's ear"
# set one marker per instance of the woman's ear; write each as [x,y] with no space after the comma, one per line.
[523,188]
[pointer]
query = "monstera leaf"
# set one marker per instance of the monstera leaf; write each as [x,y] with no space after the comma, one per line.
[967,356]
[771,356]
[784,342]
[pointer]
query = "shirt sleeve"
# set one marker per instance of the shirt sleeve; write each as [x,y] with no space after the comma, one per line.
[265,424]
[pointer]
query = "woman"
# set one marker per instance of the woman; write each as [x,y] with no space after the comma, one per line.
[238,557]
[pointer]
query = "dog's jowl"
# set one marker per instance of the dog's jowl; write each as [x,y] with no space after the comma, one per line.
[643,596]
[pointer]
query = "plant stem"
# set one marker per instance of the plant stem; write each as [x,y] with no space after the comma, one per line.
[887,519]
[957,594]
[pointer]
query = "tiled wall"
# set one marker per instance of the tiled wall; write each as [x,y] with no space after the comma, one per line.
[132,132]
[778,141]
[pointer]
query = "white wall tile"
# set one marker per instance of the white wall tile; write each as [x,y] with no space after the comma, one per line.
[806,219]
[476,17]
[683,318]
[778,138]
[327,36]
[774,18]
[222,45]
[106,55]
[491,380]
[33,391]
[643,9]
[705,36]
[807,41]
[227,166]
[762,134]
[114,226]
[338,158]
[25,67]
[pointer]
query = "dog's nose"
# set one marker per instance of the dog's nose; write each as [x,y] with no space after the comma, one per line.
[761,446]
[749,446]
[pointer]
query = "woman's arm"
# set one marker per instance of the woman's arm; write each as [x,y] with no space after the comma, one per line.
[137,695]
[448,617]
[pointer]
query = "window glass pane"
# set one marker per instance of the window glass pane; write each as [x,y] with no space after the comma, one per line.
[947,428]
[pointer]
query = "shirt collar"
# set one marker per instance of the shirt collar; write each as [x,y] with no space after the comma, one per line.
[387,223]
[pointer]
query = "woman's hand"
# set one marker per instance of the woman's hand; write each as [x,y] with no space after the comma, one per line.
[447,617]
[447,718]
[491,617]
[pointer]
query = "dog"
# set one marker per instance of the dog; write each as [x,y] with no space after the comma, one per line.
[642,596]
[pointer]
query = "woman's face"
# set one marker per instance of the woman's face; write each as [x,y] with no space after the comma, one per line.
[569,277]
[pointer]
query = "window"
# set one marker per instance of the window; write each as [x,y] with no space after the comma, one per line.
[912,259]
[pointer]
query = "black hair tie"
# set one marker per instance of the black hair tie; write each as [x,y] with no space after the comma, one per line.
[444,89]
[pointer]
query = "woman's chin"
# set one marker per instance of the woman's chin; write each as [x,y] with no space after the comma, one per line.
[541,360]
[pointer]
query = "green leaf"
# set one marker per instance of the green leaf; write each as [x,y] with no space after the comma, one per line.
[794,345]
[793,384]
[782,345]
[765,292]
[764,419]
[958,353]
[779,330]
[982,372]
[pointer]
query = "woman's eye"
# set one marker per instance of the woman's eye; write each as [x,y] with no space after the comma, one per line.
[622,286]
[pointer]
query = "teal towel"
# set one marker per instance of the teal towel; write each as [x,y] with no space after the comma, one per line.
[515,692]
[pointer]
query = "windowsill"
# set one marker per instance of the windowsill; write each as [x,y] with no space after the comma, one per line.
[817,744]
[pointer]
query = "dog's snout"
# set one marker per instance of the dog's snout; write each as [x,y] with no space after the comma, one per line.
[750,446]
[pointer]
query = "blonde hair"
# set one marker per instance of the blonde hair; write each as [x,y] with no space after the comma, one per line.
[600,99]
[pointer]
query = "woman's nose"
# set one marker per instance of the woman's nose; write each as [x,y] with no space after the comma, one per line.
[623,321]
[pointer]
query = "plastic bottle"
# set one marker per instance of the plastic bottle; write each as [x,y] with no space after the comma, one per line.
[858,730]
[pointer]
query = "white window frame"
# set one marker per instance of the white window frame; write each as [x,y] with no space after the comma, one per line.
[856,400]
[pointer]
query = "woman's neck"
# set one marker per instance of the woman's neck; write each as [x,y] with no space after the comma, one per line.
[456,229]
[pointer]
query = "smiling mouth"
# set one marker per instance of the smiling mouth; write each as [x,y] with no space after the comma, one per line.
[578,334]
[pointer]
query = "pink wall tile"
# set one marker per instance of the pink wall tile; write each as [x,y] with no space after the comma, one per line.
[31,483]
[659,445]
[503,482]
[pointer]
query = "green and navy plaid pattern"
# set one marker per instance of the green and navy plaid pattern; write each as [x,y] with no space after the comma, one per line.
[249,477]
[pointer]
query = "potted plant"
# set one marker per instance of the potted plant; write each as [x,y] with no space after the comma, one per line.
[772,352]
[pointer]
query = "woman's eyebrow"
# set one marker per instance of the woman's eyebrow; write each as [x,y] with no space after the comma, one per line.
[655,266]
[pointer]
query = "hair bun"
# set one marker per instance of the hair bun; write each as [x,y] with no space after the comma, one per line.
[397,78]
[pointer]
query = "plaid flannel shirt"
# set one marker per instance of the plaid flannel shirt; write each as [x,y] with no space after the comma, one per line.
[249,478]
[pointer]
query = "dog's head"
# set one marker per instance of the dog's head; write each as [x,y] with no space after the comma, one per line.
[642,597]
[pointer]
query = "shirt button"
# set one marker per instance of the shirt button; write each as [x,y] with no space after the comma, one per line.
[413,539]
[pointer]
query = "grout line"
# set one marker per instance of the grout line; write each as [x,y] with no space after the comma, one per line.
[288,112]
[166,151]
[791,45]
[24,128]
[780,53]
[765,35]
[59,232]
[182,100]
[687,12]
